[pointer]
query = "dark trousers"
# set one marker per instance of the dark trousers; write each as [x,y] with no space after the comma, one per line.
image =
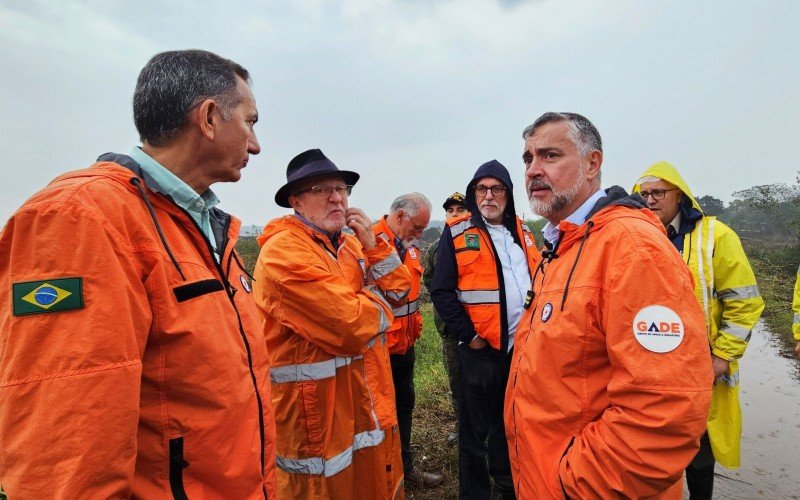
[482,445]
[700,472]
[451,361]
[403,376]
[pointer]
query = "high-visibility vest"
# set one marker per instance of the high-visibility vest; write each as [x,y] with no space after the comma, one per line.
[407,325]
[479,289]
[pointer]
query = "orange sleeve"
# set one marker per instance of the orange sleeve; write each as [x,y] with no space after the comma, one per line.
[391,276]
[658,401]
[70,380]
[320,305]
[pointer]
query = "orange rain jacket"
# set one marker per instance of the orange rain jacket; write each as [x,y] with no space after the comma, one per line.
[158,386]
[407,325]
[325,311]
[479,288]
[592,410]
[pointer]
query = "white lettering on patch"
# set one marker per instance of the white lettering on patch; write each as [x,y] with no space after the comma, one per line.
[658,328]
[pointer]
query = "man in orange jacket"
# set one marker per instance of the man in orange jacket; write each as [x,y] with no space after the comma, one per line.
[326,298]
[408,217]
[610,382]
[132,362]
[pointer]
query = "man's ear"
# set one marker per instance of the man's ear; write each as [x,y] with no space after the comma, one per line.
[206,118]
[593,163]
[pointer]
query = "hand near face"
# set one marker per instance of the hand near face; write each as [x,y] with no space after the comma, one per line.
[357,220]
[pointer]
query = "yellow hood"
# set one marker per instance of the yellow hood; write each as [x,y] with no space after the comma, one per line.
[665,171]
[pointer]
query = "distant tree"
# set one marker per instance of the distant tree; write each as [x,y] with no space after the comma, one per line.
[767,212]
[710,205]
[431,234]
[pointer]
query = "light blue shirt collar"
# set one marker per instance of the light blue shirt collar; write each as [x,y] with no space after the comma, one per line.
[173,186]
[184,196]
[550,231]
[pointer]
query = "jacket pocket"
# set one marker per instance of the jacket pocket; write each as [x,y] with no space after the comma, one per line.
[176,466]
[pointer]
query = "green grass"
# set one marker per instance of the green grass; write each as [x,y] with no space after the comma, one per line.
[434,418]
[776,284]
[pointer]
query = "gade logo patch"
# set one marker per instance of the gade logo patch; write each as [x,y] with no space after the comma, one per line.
[658,328]
[547,311]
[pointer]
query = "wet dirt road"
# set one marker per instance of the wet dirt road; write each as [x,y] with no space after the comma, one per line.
[770,396]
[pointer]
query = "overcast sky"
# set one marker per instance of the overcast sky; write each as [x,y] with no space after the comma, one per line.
[415,94]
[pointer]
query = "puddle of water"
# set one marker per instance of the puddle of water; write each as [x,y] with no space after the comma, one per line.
[770,398]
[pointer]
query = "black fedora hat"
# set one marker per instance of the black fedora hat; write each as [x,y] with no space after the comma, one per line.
[308,164]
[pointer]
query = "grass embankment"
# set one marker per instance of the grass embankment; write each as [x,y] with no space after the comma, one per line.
[776,284]
[434,418]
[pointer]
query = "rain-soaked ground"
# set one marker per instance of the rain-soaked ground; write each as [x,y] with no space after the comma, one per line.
[770,396]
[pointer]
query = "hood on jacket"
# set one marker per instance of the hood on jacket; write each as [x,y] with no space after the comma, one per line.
[665,171]
[496,170]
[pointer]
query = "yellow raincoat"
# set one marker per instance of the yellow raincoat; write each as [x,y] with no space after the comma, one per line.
[726,288]
[796,308]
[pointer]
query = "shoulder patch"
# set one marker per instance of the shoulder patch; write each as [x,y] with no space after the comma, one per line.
[472,241]
[46,296]
[658,328]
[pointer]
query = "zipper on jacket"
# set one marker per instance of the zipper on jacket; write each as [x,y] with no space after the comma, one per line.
[230,294]
[176,466]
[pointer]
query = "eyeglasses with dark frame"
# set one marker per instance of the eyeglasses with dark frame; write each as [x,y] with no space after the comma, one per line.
[657,194]
[497,190]
[325,191]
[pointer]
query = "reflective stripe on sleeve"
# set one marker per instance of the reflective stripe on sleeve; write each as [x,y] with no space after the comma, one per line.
[740,332]
[739,293]
[318,466]
[479,296]
[397,297]
[309,371]
[458,229]
[385,266]
[374,339]
[406,309]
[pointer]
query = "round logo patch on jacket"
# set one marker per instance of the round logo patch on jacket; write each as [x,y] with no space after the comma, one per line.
[245,284]
[547,311]
[658,328]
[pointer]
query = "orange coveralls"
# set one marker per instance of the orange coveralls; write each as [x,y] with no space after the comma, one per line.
[325,311]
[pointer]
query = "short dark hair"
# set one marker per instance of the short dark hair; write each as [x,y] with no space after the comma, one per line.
[172,83]
[583,132]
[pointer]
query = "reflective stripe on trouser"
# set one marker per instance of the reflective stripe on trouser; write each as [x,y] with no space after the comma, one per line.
[479,296]
[316,371]
[406,309]
[376,473]
[328,467]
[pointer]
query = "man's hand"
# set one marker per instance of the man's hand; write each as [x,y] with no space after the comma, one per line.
[720,365]
[358,221]
[478,343]
[797,349]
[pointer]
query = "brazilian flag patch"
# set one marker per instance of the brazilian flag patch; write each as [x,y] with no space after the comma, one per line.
[35,297]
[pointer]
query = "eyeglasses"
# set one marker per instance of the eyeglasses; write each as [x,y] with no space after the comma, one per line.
[326,191]
[657,194]
[496,190]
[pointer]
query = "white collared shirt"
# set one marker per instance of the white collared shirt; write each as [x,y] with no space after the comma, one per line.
[516,276]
